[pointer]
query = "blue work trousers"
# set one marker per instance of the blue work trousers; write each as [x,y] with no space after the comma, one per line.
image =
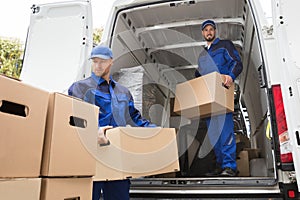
[111,190]
[222,138]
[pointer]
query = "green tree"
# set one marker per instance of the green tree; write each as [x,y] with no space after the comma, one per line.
[11,51]
[97,34]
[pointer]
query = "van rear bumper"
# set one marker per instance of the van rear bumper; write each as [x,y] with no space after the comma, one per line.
[237,187]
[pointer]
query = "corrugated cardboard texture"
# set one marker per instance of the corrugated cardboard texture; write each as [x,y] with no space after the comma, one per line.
[64,151]
[66,189]
[22,120]
[16,189]
[203,97]
[137,151]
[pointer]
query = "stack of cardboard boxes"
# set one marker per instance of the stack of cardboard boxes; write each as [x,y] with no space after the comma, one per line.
[67,165]
[49,150]
[22,120]
[41,154]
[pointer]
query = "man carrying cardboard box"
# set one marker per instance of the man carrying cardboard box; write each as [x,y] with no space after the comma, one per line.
[220,56]
[116,108]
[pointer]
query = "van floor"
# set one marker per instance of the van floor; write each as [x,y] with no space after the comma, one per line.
[191,181]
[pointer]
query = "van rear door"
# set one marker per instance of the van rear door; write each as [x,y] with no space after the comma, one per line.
[285,20]
[58,42]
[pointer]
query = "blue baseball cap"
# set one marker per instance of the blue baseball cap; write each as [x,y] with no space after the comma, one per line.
[101,52]
[208,22]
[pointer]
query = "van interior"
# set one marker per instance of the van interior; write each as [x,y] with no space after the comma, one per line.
[160,43]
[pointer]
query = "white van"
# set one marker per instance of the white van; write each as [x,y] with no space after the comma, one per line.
[159,41]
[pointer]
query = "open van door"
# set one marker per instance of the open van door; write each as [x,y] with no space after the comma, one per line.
[58,43]
[286,17]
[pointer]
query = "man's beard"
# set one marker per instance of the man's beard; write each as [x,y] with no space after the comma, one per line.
[101,72]
[210,39]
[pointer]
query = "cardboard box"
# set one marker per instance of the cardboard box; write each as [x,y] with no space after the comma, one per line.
[243,139]
[242,162]
[16,189]
[253,153]
[203,97]
[172,102]
[66,188]
[71,134]
[137,151]
[258,168]
[23,110]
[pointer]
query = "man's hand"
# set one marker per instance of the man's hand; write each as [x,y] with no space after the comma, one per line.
[228,81]
[102,139]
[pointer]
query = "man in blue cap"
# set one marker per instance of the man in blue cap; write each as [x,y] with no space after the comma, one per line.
[116,108]
[220,56]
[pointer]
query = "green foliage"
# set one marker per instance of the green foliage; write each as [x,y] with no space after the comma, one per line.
[97,34]
[10,57]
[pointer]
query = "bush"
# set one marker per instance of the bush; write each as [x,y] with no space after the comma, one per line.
[97,34]
[11,51]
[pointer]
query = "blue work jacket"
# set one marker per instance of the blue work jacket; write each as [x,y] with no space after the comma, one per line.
[221,57]
[116,106]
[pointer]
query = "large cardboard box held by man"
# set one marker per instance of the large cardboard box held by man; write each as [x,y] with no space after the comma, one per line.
[203,97]
[137,151]
[23,110]
[70,122]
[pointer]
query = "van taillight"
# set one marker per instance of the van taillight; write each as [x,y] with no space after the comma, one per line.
[282,129]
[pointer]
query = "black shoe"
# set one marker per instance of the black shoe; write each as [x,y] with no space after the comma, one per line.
[228,172]
[215,172]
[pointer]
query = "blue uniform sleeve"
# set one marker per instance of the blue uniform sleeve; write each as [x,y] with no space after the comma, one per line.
[70,90]
[136,116]
[235,65]
[75,91]
[197,73]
